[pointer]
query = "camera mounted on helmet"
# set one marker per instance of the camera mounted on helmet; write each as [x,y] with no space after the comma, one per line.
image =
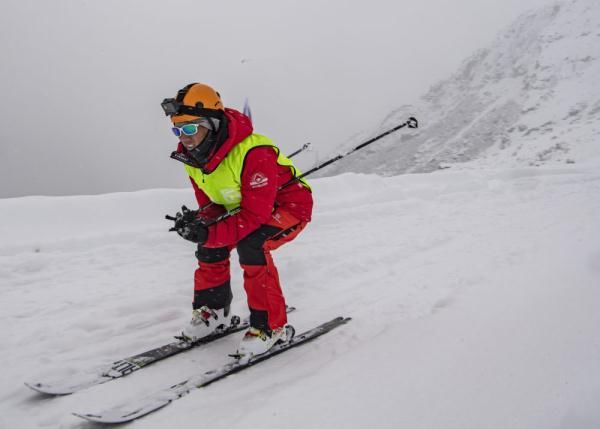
[193,101]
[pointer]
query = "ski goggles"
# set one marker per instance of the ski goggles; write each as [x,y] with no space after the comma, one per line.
[190,129]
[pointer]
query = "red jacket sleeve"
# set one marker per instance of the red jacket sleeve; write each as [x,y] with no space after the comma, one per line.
[258,189]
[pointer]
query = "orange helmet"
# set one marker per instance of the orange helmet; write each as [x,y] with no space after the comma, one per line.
[194,101]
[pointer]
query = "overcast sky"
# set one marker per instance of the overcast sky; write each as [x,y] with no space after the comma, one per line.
[82,81]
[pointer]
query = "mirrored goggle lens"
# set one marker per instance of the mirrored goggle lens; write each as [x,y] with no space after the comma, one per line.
[188,130]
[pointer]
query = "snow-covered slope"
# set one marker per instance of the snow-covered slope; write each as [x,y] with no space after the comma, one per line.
[473,295]
[530,98]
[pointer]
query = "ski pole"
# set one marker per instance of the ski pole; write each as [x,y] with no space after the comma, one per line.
[410,123]
[304,147]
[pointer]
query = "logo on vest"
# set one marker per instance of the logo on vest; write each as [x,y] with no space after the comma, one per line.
[231,195]
[259,180]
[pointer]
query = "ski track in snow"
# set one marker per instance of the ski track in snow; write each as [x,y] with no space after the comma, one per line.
[472,295]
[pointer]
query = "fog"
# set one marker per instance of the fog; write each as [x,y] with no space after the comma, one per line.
[82,81]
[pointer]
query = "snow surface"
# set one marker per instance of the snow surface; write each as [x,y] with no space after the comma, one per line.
[474,296]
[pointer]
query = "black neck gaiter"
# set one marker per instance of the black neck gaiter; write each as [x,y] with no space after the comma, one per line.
[203,153]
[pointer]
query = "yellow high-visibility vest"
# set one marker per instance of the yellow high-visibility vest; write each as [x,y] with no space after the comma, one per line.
[223,185]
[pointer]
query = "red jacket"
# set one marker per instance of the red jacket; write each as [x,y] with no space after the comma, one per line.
[257,202]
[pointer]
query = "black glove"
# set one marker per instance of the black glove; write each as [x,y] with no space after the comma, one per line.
[189,226]
[195,232]
[183,217]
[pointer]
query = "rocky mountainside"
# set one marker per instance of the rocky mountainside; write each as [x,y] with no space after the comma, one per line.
[531,98]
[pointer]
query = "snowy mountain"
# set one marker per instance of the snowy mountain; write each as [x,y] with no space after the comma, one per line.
[531,98]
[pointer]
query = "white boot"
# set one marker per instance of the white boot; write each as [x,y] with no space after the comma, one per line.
[205,321]
[257,341]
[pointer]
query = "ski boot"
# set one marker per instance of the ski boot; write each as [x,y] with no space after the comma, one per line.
[257,341]
[205,321]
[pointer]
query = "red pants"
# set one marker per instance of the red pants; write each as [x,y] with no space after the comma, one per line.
[212,285]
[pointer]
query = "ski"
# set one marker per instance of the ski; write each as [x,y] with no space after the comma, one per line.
[137,408]
[128,365]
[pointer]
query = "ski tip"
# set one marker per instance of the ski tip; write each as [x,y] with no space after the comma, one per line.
[34,386]
[89,417]
[101,419]
[46,390]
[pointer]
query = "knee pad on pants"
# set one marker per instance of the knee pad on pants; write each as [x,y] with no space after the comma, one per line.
[210,255]
[250,249]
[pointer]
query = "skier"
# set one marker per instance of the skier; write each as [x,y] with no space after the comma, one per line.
[237,171]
